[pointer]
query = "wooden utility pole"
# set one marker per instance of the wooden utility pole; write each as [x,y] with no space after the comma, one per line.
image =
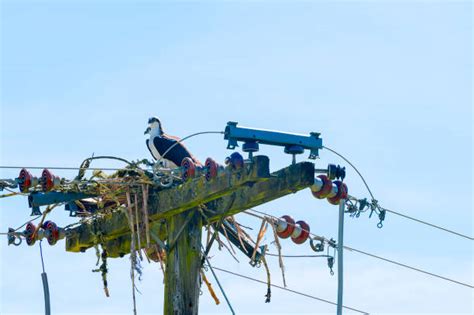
[176,220]
[183,263]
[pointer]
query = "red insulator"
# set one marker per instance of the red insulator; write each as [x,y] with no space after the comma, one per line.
[189,168]
[301,233]
[24,180]
[48,180]
[342,193]
[52,232]
[285,226]
[325,190]
[211,168]
[29,231]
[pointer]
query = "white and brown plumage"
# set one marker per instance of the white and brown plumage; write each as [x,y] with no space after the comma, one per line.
[159,142]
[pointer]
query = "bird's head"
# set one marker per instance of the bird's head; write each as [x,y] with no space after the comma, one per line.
[154,127]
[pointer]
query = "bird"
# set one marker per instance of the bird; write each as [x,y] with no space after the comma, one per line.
[160,142]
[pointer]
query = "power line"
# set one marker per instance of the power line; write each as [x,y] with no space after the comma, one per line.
[296,256]
[409,267]
[289,290]
[217,280]
[187,137]
[274,217]
[355,168]
[394,212]
[386,259]
[429,224]
[62,168]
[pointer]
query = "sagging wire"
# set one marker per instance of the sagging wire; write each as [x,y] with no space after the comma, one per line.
[288,290]
[381,212]
[373,205]
[332,243]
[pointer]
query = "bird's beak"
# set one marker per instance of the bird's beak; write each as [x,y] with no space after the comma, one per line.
[147,131]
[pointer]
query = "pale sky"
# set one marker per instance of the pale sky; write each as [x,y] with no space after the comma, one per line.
[388,84]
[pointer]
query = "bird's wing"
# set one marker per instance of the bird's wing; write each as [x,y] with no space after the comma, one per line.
[151,152]
[177,153]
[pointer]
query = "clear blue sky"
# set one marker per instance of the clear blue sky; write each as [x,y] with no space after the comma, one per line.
[389,84]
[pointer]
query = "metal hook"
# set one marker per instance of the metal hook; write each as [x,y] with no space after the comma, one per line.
[316,247]
[381,217]
[330,265]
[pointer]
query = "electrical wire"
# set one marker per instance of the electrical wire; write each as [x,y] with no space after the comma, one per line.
[429,224]
[409,267]
[353,166]
[384,259]
[289,290]
[394,212]
[276,218]
[296,256]
[61,168]
[217,280]
[34,219]
[109,157]
[185,138]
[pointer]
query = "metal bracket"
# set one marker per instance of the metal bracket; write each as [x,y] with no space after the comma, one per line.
[293,143]
[38,199]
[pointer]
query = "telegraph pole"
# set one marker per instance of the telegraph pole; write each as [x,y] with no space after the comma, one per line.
[183,263]
[340,252]
[176,220]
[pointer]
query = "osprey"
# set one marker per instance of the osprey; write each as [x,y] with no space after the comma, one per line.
[159,142]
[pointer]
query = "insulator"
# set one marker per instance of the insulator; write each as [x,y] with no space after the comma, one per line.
[189,168]
[336,172]
[26,180]
[285,226]
[301,232]
[211,168]
[250,146]
[48,180]
[51,231]
[334,191]
[28,233]
[342,193]
[235,160]
[319,190]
